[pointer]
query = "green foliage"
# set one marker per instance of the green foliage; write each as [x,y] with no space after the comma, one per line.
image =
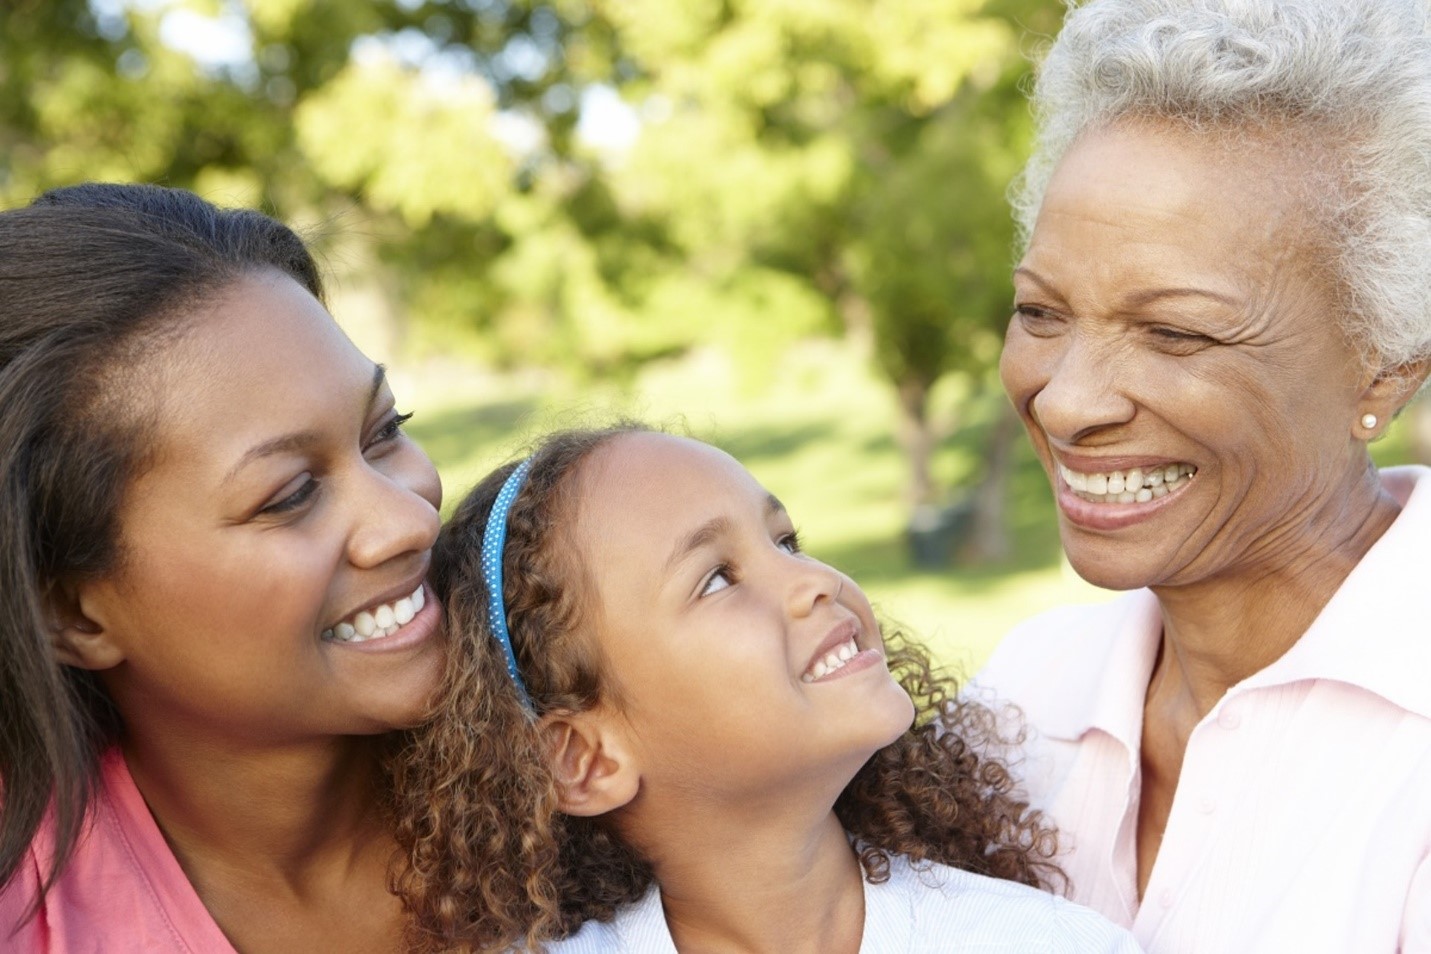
[803,167]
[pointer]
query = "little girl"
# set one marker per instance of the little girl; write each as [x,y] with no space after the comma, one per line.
[667,728]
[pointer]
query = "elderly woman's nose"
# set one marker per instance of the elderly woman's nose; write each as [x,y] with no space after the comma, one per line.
[1084,392]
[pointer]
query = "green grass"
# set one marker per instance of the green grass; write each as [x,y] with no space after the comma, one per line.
[818,434]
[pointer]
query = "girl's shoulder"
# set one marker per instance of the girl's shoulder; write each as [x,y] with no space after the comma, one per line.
[637,927]
[940,905]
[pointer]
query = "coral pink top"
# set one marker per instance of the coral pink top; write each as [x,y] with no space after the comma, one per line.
[123,891]
[1302,817]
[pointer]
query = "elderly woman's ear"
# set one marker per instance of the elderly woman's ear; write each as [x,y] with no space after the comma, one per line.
[1386,393]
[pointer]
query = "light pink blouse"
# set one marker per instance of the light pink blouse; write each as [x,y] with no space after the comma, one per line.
[122,893]
[1302,818]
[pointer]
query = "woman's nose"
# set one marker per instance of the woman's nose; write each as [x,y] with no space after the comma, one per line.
[394,515]
[1084,391]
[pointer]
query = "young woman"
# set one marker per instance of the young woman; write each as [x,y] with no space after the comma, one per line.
[213,544]
[665,727]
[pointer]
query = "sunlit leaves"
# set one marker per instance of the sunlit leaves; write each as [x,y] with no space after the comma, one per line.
[408,143]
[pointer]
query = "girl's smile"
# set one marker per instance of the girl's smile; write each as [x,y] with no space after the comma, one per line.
[721,636]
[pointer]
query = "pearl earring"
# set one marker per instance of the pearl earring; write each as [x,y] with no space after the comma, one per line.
[1368,421]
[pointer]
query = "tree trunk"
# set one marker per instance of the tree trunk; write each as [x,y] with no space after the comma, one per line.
[917,440]
[989,536]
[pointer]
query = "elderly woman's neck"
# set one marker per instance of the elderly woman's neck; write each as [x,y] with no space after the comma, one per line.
[1221,630]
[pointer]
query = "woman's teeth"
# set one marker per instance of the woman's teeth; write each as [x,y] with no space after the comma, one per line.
[835,659]
[379,621]
[1138,485]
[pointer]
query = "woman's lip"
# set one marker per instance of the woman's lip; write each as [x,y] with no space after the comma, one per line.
[416,631]
[392,596]
[1108,516]
[1106,465]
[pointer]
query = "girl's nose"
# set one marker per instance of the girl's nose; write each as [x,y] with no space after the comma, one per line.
[813,583]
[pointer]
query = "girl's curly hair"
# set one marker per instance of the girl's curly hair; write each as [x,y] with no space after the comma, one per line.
[491,863]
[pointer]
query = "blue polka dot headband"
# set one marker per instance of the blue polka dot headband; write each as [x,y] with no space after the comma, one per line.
[494,541]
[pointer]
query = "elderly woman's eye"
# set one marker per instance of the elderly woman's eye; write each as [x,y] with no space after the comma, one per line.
[1181,338]
[1036,320]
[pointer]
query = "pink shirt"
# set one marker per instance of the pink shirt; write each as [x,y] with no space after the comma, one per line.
[1302,818]
[122,893]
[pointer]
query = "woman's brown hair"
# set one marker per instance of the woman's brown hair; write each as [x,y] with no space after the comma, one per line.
[492,863]
[93,278]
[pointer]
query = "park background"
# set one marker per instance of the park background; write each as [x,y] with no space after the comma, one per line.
[777,225]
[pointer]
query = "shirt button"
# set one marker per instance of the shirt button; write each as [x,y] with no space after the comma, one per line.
[1166,899]
[1207,806]
[1228,720]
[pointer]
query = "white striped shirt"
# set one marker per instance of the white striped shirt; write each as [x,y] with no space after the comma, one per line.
[917,911]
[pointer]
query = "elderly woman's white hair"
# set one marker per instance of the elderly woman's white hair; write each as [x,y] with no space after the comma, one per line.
[1349,76]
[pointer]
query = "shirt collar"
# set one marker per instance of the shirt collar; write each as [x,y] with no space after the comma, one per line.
[1375,632]
[1105,658]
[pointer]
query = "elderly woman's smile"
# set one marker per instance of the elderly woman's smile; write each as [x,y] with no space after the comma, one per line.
[1171,357]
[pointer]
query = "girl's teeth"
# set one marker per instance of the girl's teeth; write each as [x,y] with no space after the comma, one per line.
[832,661]
[365,624]
[344,631]
[403,611]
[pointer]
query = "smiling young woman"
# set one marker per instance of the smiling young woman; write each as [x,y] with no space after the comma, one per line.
[214,543]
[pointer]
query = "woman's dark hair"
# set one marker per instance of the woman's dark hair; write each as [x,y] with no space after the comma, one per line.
[490,862]
[93,278]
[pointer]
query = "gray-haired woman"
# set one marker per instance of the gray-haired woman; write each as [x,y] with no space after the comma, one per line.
[1225,296]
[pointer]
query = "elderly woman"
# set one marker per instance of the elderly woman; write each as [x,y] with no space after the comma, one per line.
[1225,297]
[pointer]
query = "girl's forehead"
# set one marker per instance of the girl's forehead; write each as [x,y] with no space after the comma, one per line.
[644,488]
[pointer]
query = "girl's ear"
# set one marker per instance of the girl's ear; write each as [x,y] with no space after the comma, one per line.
[594,767]
[77,638]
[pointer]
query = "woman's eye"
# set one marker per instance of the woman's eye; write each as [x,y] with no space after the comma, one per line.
[391,428]
[719,579]
[1177,339]
[294,500]
[1036,320]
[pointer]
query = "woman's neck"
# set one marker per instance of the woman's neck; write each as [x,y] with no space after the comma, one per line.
[758,881]
[289,815]
[1222,630]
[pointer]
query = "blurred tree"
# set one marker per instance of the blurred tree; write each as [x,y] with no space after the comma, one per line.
[862,149]
[798,166]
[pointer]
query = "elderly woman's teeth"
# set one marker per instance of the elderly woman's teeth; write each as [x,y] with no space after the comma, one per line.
[835,659]
[379,621]
[1138,485]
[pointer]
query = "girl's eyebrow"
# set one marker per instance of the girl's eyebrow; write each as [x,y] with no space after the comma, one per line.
[711,530]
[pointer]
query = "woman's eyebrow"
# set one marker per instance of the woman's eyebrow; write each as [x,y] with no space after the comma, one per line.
[298,440]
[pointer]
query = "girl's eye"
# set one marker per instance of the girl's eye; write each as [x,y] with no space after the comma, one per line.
[719,579]
[391,428]
[790,543]
[294,500]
